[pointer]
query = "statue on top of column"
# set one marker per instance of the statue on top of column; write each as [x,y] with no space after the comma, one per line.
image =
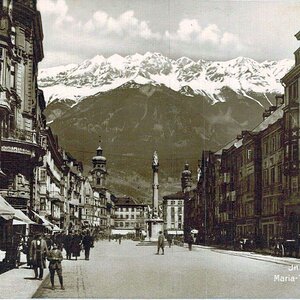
[155,159]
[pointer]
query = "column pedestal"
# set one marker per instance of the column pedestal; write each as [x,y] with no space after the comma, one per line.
[154,226]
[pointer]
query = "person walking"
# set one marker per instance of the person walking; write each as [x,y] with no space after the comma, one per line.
[55,258]
[76,245]
[169,239]
[67,245]
[190,241]
[160,243]
[38,252]
[88,243]
[120,239]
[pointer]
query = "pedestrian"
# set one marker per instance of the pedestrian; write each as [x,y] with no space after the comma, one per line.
[27,249]
[160,243]
[76,245]
[38,252]
[120,239]
[55,258]
[190,241]
[67,245]
[169,240]
[88,243]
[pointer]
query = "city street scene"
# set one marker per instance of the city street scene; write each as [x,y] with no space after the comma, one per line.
[149,149]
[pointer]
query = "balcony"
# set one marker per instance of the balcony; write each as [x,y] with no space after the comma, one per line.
[55,196]
[21,194]
[22,135]
[22,142]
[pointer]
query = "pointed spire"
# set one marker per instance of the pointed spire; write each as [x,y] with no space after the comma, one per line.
[99,149]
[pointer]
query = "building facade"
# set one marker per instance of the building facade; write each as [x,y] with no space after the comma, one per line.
[129,217]
[21,102]
[173,213]
[250,187]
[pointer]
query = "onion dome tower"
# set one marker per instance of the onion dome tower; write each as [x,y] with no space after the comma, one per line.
[186,179]
[99,170]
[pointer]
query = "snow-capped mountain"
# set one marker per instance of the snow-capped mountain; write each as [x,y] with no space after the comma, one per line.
[244,76]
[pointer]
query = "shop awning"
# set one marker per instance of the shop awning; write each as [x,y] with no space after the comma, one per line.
[175,232]
[122,231]
[45,222]
[6,210]
[56,228]
[21,219]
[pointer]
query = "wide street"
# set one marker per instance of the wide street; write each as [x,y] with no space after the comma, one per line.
[130,271]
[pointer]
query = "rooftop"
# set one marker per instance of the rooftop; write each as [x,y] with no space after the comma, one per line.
[176,196]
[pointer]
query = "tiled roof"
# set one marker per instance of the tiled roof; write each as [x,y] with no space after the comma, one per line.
[178,195]
[127,201]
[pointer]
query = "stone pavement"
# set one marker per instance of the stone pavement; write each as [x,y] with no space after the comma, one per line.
[131,272]
[19,283]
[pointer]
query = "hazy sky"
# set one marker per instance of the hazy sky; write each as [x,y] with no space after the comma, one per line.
[75,30]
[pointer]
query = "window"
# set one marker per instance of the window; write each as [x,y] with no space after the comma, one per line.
[43,175]
[249,154]
[272,175]
[266,148]
[293,91]
[279,170]
[98,180]
[294,185]
[294,152]
[266,177]
[280,140]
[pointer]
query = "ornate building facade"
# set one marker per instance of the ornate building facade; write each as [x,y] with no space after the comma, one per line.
[21,102]
[250,187]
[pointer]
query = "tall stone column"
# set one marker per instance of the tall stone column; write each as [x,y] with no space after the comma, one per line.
[155,186]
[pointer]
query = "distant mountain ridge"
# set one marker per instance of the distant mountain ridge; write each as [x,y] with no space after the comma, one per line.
[184,75]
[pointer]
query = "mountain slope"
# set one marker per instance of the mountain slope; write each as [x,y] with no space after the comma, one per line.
[133,122]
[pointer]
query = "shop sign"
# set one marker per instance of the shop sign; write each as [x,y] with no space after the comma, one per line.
[15,150]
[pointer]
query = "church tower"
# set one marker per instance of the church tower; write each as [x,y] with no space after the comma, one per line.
[186,179]
[99,170]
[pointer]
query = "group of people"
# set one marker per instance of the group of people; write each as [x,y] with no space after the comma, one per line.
[42,248]
[170,239]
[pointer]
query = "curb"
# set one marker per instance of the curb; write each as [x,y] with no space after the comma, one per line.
[40,286]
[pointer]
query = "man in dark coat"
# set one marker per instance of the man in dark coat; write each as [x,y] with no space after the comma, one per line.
[161,243]
[67,244]
[38,252]
[76,245]
[87,243]
[190,241]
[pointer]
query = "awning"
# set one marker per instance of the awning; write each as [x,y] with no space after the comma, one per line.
[6,210]
[21,219]
[56,228]
[175,232]
[45,222]
[122,231]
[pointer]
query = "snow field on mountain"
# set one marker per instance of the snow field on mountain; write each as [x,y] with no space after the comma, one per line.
[100,74]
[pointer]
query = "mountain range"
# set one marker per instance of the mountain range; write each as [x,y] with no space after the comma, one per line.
[188,77]
[142,103]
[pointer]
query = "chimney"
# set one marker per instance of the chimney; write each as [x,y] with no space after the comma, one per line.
[266,114]
[279,100]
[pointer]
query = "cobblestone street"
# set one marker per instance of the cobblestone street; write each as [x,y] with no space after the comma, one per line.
[130,271]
